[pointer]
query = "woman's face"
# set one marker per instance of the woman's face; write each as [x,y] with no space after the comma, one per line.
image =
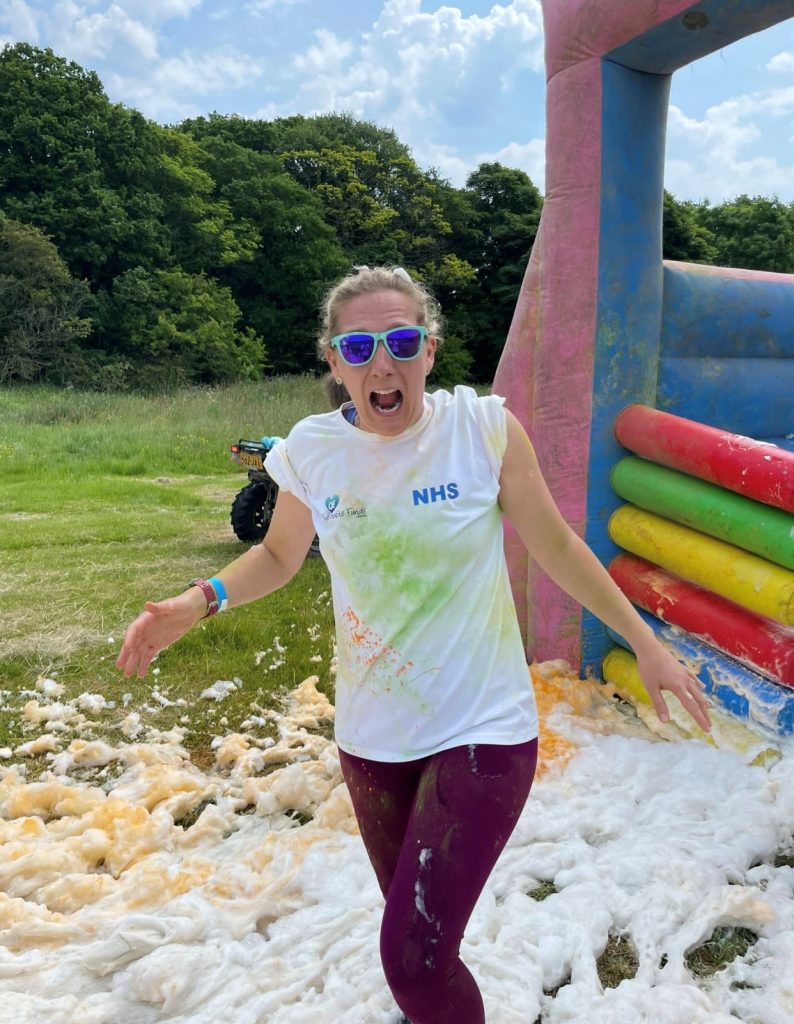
[388,393]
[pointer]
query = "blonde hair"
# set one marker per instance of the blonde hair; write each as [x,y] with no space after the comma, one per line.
[366,281]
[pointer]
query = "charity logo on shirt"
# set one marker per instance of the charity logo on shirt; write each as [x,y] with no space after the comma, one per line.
[333,511]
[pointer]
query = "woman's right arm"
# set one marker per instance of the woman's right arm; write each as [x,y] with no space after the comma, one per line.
[261,570]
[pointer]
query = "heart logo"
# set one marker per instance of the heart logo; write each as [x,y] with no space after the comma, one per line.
[332,502]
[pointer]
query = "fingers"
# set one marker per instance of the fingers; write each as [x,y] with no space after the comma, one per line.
[694,700]
[138,651]
[135,657]
[691,695]
[660,706]
[136,661]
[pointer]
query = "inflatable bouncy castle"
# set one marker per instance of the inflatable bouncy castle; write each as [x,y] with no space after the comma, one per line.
[659,395]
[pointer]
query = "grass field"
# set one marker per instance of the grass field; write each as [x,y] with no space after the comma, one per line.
[107,500]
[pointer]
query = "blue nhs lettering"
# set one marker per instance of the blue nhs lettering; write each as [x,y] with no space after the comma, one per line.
[430,494]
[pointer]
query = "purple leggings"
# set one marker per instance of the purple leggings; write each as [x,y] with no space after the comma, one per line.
[433,830]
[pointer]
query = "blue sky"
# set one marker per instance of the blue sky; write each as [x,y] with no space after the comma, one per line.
[459,83]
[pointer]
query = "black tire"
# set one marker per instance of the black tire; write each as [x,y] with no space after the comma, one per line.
[252,510]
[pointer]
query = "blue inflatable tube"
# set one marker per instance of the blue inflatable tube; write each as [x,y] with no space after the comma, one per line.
[737,689]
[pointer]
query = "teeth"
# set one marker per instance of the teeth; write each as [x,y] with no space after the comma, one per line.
[387,412]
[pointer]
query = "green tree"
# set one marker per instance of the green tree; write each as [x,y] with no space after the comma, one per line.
[114,190]
[248,133]
[205,235]
[178,328]
[494,227]
[684,236]
[757,233]
[381,211]
[77,166]
[42,307]
[298,257]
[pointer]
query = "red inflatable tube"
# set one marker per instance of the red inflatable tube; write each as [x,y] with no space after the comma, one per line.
[751,639]
[754,468]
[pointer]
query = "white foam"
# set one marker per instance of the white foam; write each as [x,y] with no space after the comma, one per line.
[111,910]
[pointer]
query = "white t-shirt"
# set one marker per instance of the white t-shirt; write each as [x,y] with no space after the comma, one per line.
[429,653]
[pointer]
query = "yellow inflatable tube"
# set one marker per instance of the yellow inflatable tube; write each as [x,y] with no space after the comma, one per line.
[620,670]
[743,578]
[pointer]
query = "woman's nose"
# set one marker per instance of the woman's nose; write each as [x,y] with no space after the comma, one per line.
[382,360]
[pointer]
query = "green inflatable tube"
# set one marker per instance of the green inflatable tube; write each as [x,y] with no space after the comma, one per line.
[748,524]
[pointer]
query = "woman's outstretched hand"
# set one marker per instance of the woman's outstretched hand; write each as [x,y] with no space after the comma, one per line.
[159,625]
[659,670]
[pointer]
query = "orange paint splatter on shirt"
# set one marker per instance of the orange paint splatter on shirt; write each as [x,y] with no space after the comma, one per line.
[371,647]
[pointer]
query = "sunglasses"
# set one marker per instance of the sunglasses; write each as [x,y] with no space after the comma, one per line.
[358,347]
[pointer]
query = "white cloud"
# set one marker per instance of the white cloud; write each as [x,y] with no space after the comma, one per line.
[719,161]
[96,29]
[209,72]
[20,21]
[96,35]
[415,65]
[331,51]
[529,157]
[782,62]
[446,160]
[125,36]
[166,91]
[422,73]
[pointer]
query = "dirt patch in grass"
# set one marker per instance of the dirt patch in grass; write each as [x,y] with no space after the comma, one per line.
[618,962]
[222,493]
[42,644]
[724,946]
[203,758]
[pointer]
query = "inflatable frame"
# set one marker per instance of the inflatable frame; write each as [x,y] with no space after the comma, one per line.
[602,322]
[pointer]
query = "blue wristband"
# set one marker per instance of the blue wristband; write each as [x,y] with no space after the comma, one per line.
[220,593]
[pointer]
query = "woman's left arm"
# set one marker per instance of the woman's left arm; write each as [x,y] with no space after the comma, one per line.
[527,502]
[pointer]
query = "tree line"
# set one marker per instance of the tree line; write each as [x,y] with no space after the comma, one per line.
[137,255]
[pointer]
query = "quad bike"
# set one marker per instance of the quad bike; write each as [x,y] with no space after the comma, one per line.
[253,506]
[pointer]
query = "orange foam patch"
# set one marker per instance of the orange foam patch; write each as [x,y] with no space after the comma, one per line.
[555,684]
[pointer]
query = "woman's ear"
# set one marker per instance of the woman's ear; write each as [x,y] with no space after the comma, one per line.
[430,352]
[331,359]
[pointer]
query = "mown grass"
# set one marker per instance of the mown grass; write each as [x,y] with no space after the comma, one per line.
[107,500]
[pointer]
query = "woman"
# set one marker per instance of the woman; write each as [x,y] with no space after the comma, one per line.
[435,718]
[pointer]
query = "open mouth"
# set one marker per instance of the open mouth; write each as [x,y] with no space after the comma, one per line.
[386,403]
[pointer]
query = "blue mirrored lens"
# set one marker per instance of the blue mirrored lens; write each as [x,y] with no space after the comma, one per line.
[404,343]
[356,348]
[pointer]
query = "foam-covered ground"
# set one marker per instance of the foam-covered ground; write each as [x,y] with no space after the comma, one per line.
[260,906]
